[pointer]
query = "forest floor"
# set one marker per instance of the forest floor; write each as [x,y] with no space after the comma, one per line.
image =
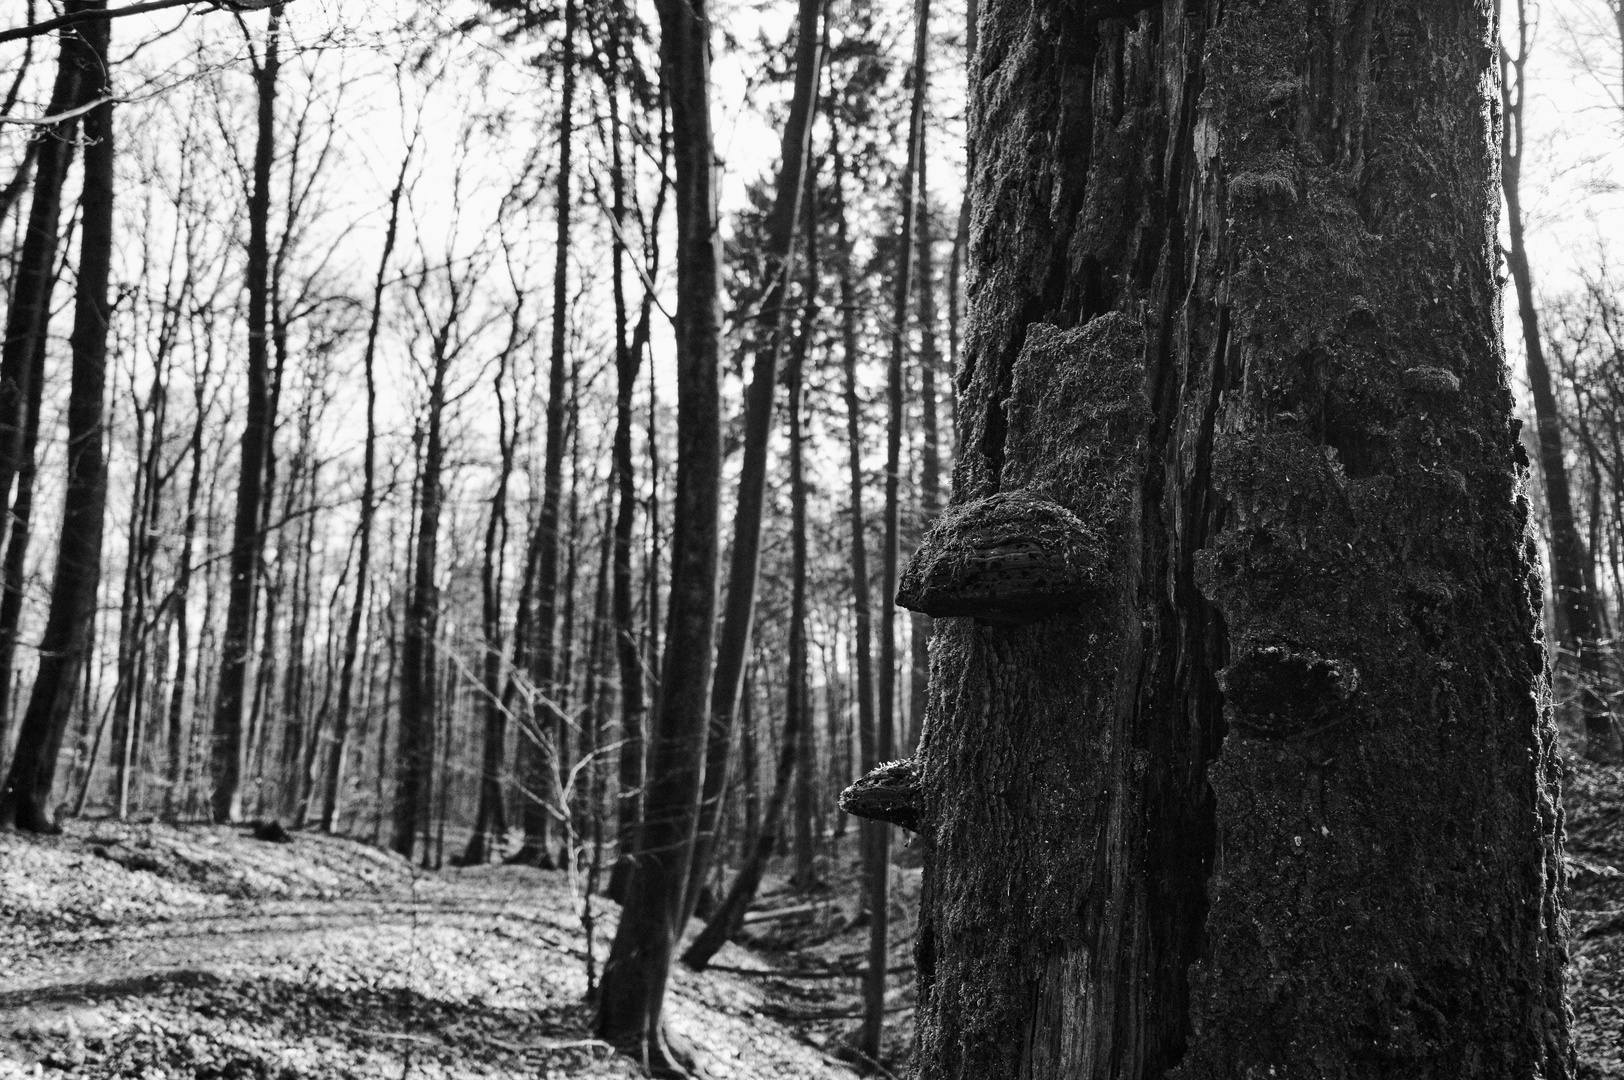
[153,951]
[1593,804]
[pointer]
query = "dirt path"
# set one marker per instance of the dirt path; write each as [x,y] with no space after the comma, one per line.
[265,961]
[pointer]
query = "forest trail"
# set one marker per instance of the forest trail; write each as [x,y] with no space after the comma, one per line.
[200,952]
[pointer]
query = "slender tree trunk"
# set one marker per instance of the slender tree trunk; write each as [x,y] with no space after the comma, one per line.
[1233,377]
[633,708]
[799,696]
[414,783]
[1580,654]
[333,786]
[22,359]
[490,823]
[728,917]
[540,761]
[247,539]
[180,599]
[65,644]
[744,561]
[795,764]
[566,728]
[632,993]
[877,834]
[749,759]
[930,458]
[863,647]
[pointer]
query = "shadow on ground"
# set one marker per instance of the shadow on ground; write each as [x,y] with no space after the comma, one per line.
[193,1024]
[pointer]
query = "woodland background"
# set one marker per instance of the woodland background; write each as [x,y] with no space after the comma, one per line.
[465,239]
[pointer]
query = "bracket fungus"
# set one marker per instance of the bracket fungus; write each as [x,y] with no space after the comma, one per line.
[889,792]
[1009,558]
[1437,381]
[1278,692]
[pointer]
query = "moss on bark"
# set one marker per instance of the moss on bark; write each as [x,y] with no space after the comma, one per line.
[1282,801]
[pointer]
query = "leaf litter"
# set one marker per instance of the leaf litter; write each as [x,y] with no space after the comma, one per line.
[153,951]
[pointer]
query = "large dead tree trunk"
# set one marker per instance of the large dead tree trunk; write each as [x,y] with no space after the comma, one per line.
[64,647]
[1235,762]
[632,993]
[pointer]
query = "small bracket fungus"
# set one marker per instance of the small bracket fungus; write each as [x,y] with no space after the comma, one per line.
[1432,380]
[888,793]
[1008,558]
[1278,692]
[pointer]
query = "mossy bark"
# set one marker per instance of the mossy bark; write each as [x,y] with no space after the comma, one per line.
[1275,795]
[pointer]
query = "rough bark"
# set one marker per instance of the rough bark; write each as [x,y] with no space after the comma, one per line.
[634,978]
[1277,796]
[65,644]
[247,538]
[744,558]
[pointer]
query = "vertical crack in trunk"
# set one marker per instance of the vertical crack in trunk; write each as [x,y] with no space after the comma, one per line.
[1188,801]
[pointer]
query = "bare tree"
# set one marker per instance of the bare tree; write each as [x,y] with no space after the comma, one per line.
[247,531]
[632,993]
[65,644]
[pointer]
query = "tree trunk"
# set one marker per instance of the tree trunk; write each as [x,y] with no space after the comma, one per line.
[332,787]
[414,781]
[877,834]
[628,358]
[862,604]
[744,560]
[632,993]
[22,360]
[490,822]
[1581,656]
[540,763]
[247,539]
[799,702]
[65,645]
[1249,775]
[176,771]
[930,457]
[794,749]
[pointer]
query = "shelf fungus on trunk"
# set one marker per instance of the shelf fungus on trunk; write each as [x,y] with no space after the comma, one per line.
[1278,692]
[889,792]
[1009,558]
